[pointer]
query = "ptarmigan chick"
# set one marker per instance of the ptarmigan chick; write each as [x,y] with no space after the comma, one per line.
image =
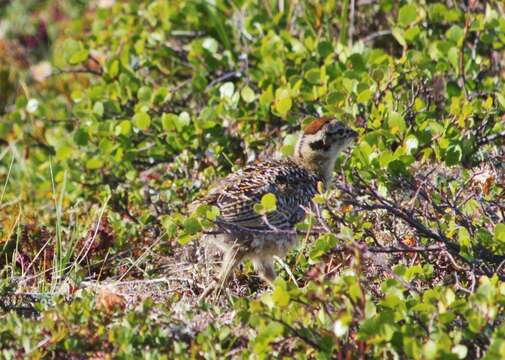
[294,182]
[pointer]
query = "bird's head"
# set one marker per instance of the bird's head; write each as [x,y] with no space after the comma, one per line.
[320,142]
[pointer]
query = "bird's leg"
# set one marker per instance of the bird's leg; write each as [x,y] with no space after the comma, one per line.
[265,268]
[232,257]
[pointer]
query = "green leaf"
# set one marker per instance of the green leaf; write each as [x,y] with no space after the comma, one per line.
[247,94]
[81,137]
[74,52]
[199,82]
[184,119]
[280,295]
[142,120]
[288,145]
[113,68]
[464,240]
[168,121]
[313,76]
[106,146]
[212,213]
[269,202]
[192,225]
[79,57]
[453,57]
[283,102]
[396,123]
[145,93]
[365,96]
[226,90]
[455,33]
[325,48]
[356,62]
[322,245]
[411,34]
[407,14]
[501,100]
[265,336]
[398,34]
[267,96]
[94,163]
[63,153]
[124,128]
[175,122]
[98,108]
[283,106]
[453,155]
[210,44]
[499,232]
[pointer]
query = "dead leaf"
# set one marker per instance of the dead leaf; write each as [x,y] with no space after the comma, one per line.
[109,301]
[409,240]
[487,185]
[484,180]
[100,355]
[346,208]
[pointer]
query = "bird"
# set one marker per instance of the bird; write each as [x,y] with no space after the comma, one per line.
[244,233]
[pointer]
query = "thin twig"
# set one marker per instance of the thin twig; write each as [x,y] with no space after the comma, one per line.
[490,138]
[226,76]
[351,22]
[375,35]
[295,331]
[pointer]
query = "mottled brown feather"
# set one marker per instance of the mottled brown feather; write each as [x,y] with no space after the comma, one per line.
[245,233]
[316,125]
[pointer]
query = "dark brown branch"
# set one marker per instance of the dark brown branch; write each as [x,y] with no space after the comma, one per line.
[77,71]
[491,138]
[453,248]
[375,35]
[294,331]
[226,76]
[407,249]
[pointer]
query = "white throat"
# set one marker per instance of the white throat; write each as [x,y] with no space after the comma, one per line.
[321,163]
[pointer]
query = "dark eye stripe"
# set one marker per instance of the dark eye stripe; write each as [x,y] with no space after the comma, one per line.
[319,145]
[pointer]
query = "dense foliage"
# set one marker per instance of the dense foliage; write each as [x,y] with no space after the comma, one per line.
[116,115]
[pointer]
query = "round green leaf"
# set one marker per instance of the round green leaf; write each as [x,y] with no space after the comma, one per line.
[396,123]
[94,163]
[226,90]
[248,94]
[145,93]
[142,120]
[313,76]
[499,232]
[98,108]
[269,202]
[407,14]
[124,128]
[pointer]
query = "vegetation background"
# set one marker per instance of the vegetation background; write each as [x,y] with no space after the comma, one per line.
[115,115]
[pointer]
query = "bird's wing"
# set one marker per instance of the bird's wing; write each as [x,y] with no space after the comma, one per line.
[239,192]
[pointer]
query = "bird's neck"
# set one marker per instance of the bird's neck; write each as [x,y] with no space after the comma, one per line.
[319,164]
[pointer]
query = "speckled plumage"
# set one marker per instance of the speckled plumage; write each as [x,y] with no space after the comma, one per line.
[236,195]
[294,182]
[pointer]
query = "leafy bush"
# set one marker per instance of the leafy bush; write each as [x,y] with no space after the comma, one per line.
[116,115]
